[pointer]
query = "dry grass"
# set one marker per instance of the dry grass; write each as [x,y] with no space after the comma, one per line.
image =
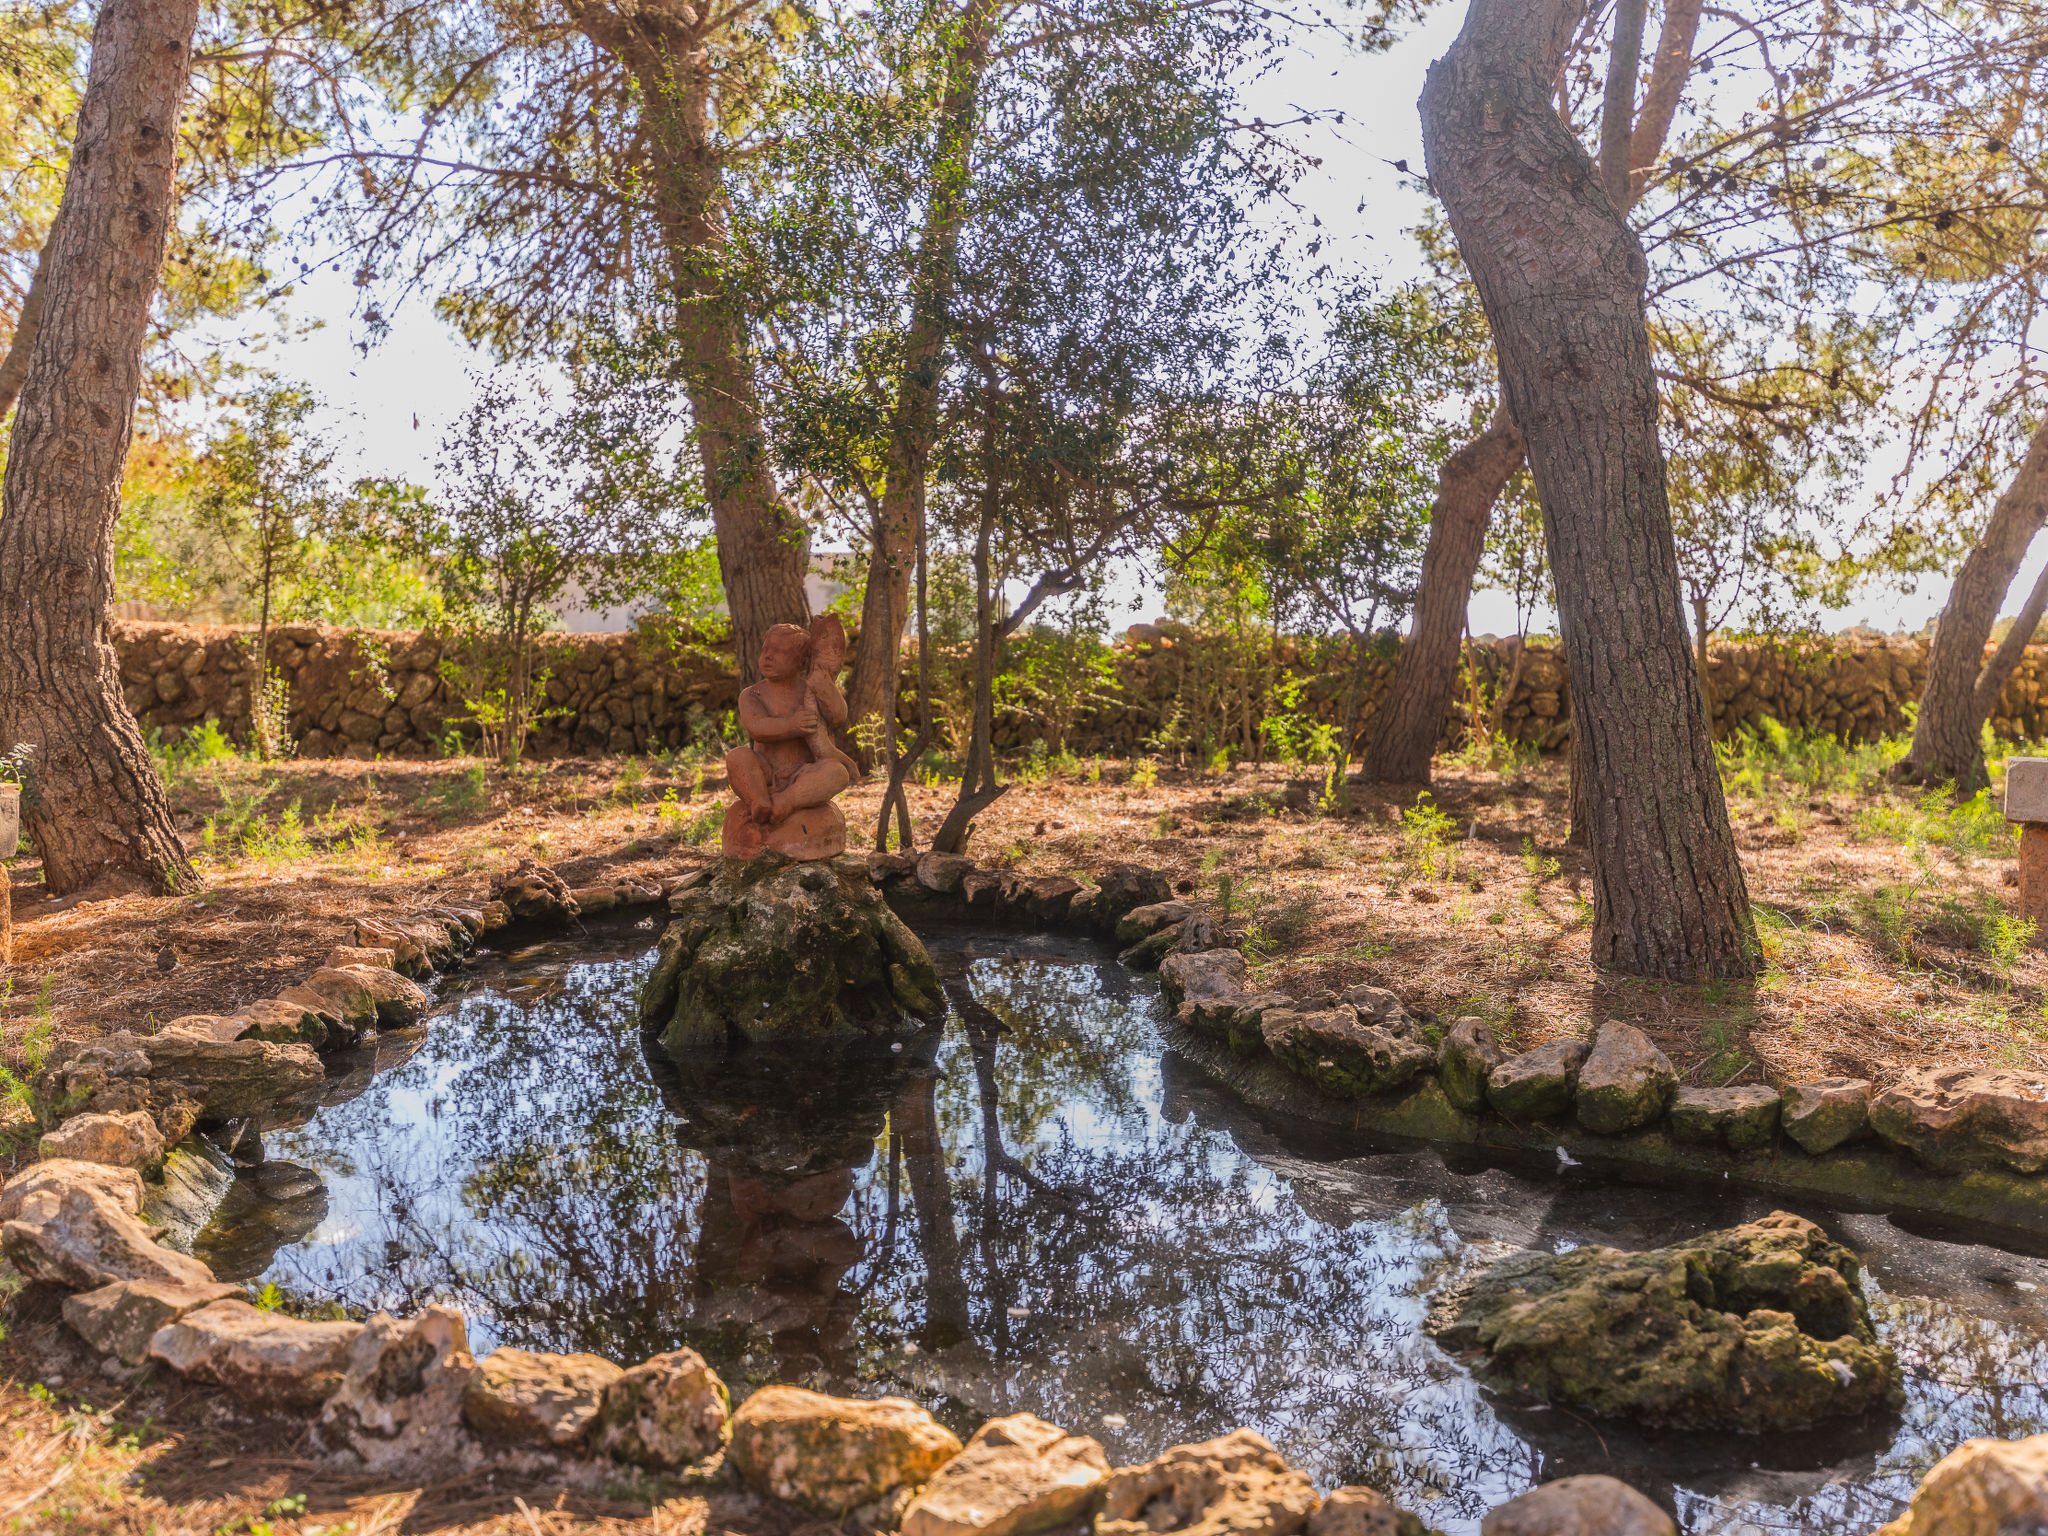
[1886,941]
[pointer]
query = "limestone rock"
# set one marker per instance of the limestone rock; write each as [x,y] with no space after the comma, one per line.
[1124,887]
[226,1079]
[533,892]
[774,950]
[205,1026]
[541,1399]
[1143,922]
[1760,1327]
[1354,1511]
[123,1186]
[1956,1118]
[1740,1119]
[1538,1084]
[125,1141]
[1981,1488]
[1046,898]
[495,915]
[1466,1060]
[1233,1486]
[265,1358]
[121,1318]
[410,955]
[1624,1082]
[1579,1506]
[1016,1474]
[81,1239]
[370,994]
[670,1411]
[834,1454]
[303,1019]
[1820,1116]
[1236,1017]
[398,1406]
[1212,973]
[1340,1055]
[356,954]
[941,873]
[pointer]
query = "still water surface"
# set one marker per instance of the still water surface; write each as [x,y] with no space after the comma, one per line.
[1041,1207]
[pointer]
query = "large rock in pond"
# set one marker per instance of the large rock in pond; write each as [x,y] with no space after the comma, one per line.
[1579,1506]
[1017,1474]
[1233,1486]
[1355,1511]
[774,950]
[1341,1056]
[1760,1327]
[836,1454]
[1981,1488]
[227,1079]
[1958,1118]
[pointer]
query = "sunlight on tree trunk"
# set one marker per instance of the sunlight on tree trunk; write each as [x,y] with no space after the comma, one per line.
[1562,278]
[96,803]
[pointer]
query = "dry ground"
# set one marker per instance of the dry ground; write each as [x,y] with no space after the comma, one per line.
[1886,946]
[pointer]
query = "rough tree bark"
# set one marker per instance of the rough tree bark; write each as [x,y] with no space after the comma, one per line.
[914,413]
[97,805]
[1561,277]
[763,546]
[14,367]
[1957,698]
[1411,717]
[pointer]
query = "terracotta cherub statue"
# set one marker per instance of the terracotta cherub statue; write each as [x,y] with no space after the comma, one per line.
[787,779]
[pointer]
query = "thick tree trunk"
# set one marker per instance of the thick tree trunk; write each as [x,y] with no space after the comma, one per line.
[97,805]
[978,787]
[1561,277]
[2005,660]
[1472,479]
[1947,735]
[763,546]
[14,367]
[1411,716]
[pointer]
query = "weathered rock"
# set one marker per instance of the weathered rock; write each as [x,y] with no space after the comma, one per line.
[495,915]
[1740,1119]
[941,873]
[1340,1055]
[1981,1488]
[670,1411]
[1579,1506]
[398,1406]
[1538,1084]
[196,1178]
[533,892]
[1466,1060]
[294,1021]
[384,958]
[1233,1486]
[1123,888]
[1382,1010]
[834,1454]
[1759,1327]
[370,994]
[125,1141]
[265,1358]
[1046,898]
[1821,1116]
[1956,1118]
[120,1319]
[409,955]
[1016,1474]
[774,950]
[81,1239]
[1236,1017]
[539,1399]
[1143,922]
[54,1175]
[1624,1083]
[1212,973]
[227,1079]
[1354,1511]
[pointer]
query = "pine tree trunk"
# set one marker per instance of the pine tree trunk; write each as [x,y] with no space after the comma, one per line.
[1561,277]
[763,546]
[2005,660]
[1411,717]
[97,804]
[1948,734]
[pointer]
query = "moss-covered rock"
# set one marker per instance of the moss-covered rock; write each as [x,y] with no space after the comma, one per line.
[1740,1119]
[1466,1060]
[836,1454]
[1624,1082]
[1538,1084]
[773,950]
[1758,1327]
[1821,1116]
[1341,1056]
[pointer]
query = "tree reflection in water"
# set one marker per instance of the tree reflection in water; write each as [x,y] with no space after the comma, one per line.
[1010,1214]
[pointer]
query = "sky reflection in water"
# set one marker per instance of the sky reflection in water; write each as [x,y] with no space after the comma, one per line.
[1041,1208]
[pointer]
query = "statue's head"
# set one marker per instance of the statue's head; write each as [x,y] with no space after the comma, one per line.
[785,652]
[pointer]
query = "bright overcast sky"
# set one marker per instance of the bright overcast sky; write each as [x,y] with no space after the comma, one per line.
[391,405]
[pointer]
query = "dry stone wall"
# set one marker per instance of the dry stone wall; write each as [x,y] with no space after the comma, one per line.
[390,694]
